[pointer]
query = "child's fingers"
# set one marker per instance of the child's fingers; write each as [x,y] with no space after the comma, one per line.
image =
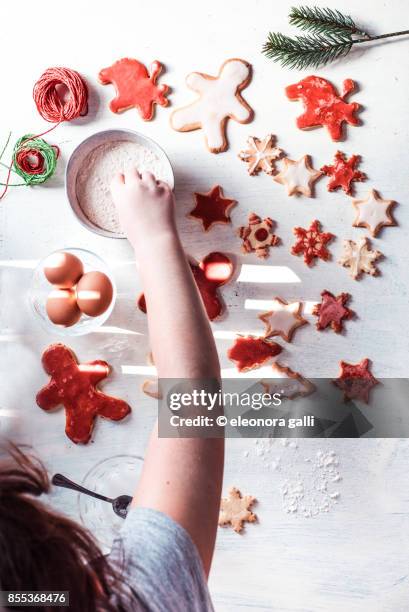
[149,179]
[131,174]
[116,183]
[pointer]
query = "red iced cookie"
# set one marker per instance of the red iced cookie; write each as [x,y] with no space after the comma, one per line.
[214,271]
[323,105]
[332,311]
[212,208]
[356,381]
[134,86]
[312,243]
[258,235]
[74,386]
[249,352]
[343,172]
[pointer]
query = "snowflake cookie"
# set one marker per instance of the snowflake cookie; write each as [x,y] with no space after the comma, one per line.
[258,235]
[219,99]
[343,172]
[261,154]
[359,258]
[312,243]
[235,510]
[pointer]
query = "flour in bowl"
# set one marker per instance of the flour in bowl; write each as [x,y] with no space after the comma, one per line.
[98,170]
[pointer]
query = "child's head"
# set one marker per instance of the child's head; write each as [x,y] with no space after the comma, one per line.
[42,550]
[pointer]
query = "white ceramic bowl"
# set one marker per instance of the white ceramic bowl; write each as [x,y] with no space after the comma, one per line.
[40,289]
[89,144]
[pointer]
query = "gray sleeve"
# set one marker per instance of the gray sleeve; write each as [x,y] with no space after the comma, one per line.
[160,564]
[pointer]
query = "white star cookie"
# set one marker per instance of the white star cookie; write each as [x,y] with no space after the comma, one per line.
[219,100]
[298,176]
[283,319]
[260,154]
[374,213]
[359,258]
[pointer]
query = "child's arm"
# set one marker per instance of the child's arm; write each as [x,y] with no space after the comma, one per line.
[181,477]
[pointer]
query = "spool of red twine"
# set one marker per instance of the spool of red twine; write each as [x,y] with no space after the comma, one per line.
[52,105]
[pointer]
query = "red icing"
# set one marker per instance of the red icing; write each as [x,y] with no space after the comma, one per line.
[135,87]
[214,271]
[311,242]
[250,352]
[74,386]
[323,105]
[356,381]
[343,172]
[332,311]
[212,207]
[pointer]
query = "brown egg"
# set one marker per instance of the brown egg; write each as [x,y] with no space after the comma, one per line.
[61,307]
[63,269]
[94,293]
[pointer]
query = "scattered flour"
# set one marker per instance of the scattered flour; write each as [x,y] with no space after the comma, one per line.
[96,174]
[308,484]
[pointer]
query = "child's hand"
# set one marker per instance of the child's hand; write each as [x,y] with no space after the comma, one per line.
[145,207]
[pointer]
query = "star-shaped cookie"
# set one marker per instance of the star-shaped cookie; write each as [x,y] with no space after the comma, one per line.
[298,176]
[283,319]
[356,380]
[312,243]
[359,258]
[332,311]
[236,510]
[374,213]
[261,154]
[343,172]
[258,236]
[287,383]
[212,208]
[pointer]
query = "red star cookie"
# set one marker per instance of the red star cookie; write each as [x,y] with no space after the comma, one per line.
[215,270]
[74,386]
[249,352]
[283,319]
[212,208]
[311,242]
[374,213]
[135,87]
[332,311]
[343,172]
[323,105]
[356,381]
[258,235]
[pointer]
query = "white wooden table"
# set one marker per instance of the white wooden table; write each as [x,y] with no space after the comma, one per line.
[356,556]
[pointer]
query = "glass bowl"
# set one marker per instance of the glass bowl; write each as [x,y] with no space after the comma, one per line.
[40,289]
[111,477]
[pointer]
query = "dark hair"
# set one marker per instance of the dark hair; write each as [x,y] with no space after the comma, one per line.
[43,550]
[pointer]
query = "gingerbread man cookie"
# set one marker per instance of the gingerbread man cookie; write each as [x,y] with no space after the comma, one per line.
[283,319]
[135,87]
[249,352]
[359,258]
[260,154]
[374,213]
[212,208]
[332,311]
[74,386]
[312,242]
[343,172]
[323,106]
[298,176]
[258,235]
[219,100]
[236,510]
[214,271]
[356,381]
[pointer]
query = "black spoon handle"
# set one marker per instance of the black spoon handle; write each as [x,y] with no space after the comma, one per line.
[62,481]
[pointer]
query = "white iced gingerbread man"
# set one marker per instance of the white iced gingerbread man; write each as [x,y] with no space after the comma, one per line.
[219,99]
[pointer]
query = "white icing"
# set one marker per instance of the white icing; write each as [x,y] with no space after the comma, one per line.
[217,101]
[297,176]
[358,257]
[283,316]
[373,211]
[97,172]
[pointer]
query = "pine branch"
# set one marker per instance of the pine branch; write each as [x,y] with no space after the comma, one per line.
[323,21]
[310,51]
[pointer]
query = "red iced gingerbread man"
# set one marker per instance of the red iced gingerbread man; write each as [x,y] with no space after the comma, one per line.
[323,105]
[74,386]
[134,86]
